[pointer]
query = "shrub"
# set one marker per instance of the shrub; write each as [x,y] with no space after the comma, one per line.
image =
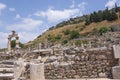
[104,30]
[67,32]
[74,34]
[58,37]
[78,43]
[65,41]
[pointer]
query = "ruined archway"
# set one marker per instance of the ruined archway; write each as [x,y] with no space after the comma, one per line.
[14,35]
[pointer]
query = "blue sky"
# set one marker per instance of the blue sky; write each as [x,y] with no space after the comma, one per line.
[31,18]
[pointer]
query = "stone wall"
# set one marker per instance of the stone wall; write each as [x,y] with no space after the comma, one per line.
[77,63]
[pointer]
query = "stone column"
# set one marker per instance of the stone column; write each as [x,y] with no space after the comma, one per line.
[9,44]
[37,71]
[116,69]
[40,46]
[19,68]
[17,42]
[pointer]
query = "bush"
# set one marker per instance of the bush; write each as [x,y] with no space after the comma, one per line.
[67,32]
[58,37]
[78,43]
[104,30]
[51,38]
[64,41]
[74,34]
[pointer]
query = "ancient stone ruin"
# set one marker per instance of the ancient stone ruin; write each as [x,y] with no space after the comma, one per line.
[16,41]
[45,62]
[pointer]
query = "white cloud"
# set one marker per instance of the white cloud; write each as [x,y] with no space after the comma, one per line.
[18,16]
[27,36]
[110,4]
[54,15]
[73,4]
[82,5]
[2,7]
[11,9]
[27,24]
[3,39]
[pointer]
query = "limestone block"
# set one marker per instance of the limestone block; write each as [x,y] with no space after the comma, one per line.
[116,72]
[37,71]
[116,49]
[102,75]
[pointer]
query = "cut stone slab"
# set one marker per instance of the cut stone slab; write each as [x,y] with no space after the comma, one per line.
[37,71]
[116,49]
[116,72]
[102,75]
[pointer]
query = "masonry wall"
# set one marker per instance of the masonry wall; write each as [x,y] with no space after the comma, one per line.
[76,63]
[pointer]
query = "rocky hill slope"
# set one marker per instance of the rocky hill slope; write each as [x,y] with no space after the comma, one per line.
[76,28]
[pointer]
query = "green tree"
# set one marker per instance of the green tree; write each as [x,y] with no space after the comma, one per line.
[87,21]
[116,8]
[105,14]
[13,43]
[112,16]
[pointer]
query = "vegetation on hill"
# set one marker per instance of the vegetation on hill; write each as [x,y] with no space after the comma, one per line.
[95,23]
[106,14]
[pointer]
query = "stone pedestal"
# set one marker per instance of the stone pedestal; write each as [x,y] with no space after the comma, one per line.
[116,72]
[19,68]
[37,71]
[116,49]
[17,42]
[9,45]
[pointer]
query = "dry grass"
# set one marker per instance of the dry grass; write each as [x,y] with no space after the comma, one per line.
[77,27]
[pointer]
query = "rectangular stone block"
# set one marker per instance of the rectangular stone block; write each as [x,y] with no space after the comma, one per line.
[116,72]
[37,71]
[116,49]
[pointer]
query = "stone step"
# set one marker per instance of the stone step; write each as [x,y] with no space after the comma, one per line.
[8,75]
[7,69]
[6,66]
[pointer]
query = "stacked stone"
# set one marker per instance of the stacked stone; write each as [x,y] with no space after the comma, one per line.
[87,64]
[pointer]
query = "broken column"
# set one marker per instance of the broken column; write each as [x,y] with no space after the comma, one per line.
[9,44]
[116,49]
[17,42]
[19,68]
[116,69]
[40,46]
[37,71]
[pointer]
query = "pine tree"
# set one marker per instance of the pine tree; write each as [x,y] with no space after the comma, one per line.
[105,14]
[112,16]
[116,8]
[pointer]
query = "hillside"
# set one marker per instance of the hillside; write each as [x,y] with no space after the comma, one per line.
[76,28]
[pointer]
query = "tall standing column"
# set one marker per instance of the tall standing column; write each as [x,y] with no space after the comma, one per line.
[9,44]
[17,42]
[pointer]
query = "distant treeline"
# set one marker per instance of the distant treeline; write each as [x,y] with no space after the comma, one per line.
[106,14]
[99,16]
